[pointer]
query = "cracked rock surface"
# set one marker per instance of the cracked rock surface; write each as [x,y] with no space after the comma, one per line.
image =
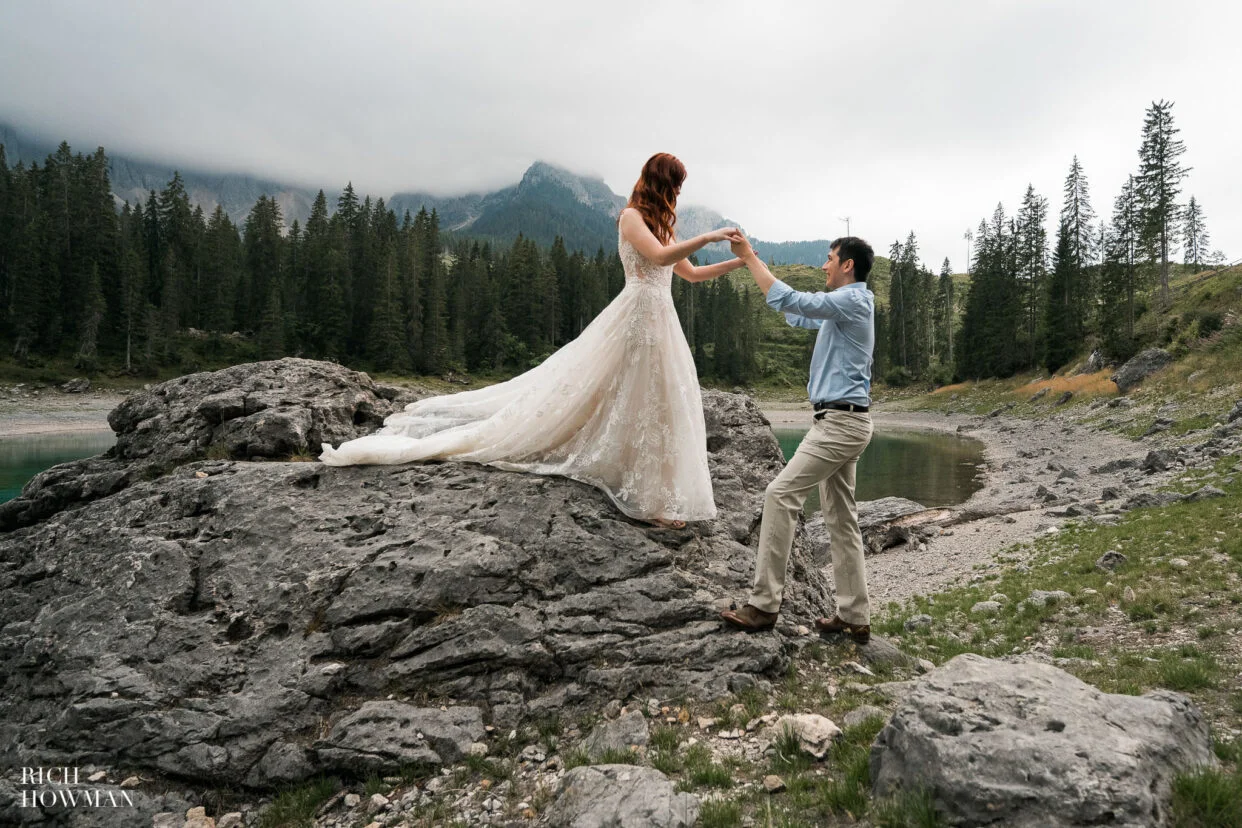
[235,622]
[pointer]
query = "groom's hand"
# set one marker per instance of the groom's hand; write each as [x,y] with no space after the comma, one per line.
[740,246]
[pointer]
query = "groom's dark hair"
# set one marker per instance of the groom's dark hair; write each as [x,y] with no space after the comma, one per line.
[854,249]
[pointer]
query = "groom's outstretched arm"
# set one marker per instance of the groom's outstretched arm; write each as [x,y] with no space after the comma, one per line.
[780,296]
[742,249]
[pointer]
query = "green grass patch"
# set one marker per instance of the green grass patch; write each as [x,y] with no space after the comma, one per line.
[1207,799]
[295,807]
[702,771]
[720,813]
[908,809]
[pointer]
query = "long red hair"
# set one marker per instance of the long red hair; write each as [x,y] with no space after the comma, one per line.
[655,194]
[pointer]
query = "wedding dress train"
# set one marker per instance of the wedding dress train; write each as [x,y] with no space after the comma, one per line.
[619,408]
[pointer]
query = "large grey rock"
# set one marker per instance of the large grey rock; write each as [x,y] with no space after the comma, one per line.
[207,623]
[263,410]
[383,736]
[1140,367]
[1235,413]
[617,736]
[1026,744]
[620,796]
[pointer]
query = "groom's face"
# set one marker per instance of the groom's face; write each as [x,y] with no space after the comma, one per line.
[832,268]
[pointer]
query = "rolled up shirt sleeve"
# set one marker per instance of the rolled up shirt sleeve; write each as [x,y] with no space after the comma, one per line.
[816,306]
[797,321]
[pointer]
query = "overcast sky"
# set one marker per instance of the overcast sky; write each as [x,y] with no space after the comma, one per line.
[789,115]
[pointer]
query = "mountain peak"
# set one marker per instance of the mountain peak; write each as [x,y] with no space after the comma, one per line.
[588,190]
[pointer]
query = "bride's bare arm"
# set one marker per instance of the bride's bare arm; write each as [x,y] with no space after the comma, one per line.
[638,234]
[702,273]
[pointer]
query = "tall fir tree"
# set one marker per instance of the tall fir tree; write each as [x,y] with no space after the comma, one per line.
[1159,184]
[1031,252]
[1195,239]
[1121,277]
[1078,216]
[945,316]
[1064,336]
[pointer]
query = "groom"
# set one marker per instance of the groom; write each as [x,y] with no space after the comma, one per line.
[840,389]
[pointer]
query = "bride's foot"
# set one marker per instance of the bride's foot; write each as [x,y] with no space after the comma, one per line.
[662,523]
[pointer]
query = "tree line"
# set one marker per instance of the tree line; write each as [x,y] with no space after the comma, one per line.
[1035,302]
[123,288]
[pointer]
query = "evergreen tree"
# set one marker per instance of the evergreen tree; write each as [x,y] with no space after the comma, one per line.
[1063,334]
[1032,262]
[945,315]
[388,341]
[1195,239]
[994,308]
[1120,274]
[898,316]
[1078,215]
[1159,183]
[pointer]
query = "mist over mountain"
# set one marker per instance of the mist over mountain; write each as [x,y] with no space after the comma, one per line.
[547,202]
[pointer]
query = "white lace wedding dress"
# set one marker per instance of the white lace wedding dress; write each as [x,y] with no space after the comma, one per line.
[618,408]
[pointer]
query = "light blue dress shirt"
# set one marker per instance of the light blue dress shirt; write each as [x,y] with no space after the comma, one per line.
[845,318]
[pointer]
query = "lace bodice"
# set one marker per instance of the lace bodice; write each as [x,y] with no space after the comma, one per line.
[639,270]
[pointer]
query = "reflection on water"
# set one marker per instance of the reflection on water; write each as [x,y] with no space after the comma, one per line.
[21,458]
[930,468]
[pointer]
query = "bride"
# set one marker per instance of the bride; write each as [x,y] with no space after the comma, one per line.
[618,408]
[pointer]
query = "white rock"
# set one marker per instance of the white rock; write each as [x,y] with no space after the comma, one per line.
[814,733]
[352,800]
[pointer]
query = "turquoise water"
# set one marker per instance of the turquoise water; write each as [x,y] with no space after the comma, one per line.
[927,467]
[21,458]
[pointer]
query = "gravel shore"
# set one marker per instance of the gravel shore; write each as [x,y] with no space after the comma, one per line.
[50,411]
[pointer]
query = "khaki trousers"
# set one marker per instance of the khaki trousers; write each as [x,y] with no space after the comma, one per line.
[827,458]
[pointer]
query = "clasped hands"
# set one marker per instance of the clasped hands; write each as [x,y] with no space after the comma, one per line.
[736,239]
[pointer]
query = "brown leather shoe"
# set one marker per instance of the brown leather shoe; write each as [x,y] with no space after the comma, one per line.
[750,619]
[858,633]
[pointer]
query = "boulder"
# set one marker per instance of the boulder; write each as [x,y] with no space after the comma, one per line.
[620,796]
[77,385]
[1095,362]
[1158,461]
[1026,744]
[209,622]
[1141,366]
[264,410]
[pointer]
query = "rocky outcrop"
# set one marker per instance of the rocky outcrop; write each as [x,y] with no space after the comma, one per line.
[230,621]
[1140,367]
[259,411]
[1026,744]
